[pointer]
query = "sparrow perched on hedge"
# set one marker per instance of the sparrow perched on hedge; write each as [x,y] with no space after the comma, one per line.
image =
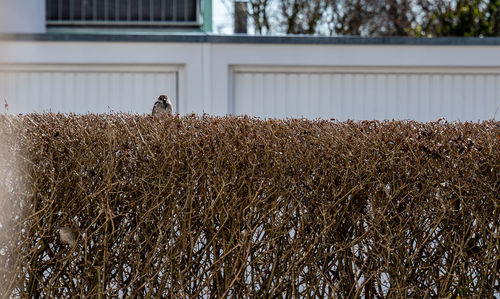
[67,236]
[162,105]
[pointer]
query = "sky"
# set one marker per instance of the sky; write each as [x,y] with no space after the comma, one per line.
[222,18]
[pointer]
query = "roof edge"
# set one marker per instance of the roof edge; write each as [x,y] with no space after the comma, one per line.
[251,39]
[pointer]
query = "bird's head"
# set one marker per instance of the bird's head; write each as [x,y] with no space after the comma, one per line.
[164,98]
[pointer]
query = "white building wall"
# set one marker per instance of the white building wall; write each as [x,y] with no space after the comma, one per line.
[128,57]
[369,93]
[358,81]
[22,16]
[85,88]
[421,82]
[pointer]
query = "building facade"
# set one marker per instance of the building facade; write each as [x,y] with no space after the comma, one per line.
[99,16]
[103,68]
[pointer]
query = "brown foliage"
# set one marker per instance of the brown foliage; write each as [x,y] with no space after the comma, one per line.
[374,17]
[215,207]
[302,17]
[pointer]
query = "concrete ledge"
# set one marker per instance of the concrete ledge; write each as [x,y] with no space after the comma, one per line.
[251,39]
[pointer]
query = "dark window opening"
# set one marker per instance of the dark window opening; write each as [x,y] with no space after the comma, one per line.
[123,12]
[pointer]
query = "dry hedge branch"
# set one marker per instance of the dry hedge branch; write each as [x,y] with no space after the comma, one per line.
[240,207]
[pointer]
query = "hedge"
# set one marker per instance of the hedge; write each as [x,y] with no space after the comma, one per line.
[203,206]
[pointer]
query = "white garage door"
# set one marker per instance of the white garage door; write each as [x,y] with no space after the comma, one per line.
[383,93]
[85,88]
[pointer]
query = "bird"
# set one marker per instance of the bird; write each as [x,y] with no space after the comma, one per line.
[67,236]
[162,106]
